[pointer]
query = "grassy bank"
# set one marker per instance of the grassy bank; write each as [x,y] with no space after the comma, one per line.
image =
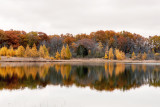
[94,60]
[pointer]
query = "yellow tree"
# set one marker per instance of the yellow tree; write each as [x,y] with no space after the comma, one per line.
[46,53]
[144,56]
[106,53]
[34,51]
[119,54]
[41,52]
[10,51]
[68,53]
[111,56]
[133,56]
[20,51]
[63,52]
[28,51]
[57,55]
[3,51]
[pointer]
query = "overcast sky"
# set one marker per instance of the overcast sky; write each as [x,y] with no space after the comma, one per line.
[81,16]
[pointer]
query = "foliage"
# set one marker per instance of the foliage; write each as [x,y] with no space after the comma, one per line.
[157,56]
[52,58]
[63,52]
[57,56]
[11,51]
[106,56]
[139,56]
[111,55]
[133,56]
[3,51]
[82,51]
[144,56]
[20,51]
[119,54]
[46,53]
[28,52]
[68,53]
[80,44]
[34,52]
[41,52]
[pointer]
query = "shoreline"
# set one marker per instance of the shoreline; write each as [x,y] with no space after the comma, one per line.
[97,60]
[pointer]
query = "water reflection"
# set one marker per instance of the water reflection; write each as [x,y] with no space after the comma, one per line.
[105,76]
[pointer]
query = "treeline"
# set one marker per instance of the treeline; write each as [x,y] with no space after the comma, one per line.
[95,44]
[33,52]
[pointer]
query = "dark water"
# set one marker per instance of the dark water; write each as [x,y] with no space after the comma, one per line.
[79,85]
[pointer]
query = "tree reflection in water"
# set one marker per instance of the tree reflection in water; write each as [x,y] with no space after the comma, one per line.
[105,76]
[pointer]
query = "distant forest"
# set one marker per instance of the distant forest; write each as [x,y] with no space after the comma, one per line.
[95,44]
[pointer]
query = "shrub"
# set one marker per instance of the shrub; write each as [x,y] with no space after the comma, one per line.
[133,56]
[119,54]
[157,56]
[139,56]
[51,58]
[144,56]
[57,56]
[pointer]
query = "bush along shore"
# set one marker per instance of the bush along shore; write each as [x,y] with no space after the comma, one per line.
[102,45]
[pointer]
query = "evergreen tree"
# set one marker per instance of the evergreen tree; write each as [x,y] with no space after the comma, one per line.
[133,56]
[12,52]
[34,51]
[139,56]
[144,56]
[28,51]
[57,55]
[3,51]
[20,51]
[63,52]
[46,53]
[68,53]
[41,52]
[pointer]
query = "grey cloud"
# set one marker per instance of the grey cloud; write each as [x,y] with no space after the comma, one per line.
[80,16]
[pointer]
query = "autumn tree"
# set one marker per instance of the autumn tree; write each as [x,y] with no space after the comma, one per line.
[34,51]
[46,53]
[28,52]
[3,51]
[119,54]
[57,56]
[41,52]
[133,56]
[111,55]
[106,56]
[144,56]
[157,56]
[99,50]
[139,56]
[106,53]
[10,51]
[20,51]
[68,53]
[63,52]
[13,38]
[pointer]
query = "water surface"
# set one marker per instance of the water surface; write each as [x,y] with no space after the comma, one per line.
[79,85]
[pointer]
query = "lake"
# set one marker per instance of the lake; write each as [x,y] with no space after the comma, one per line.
[79,84]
